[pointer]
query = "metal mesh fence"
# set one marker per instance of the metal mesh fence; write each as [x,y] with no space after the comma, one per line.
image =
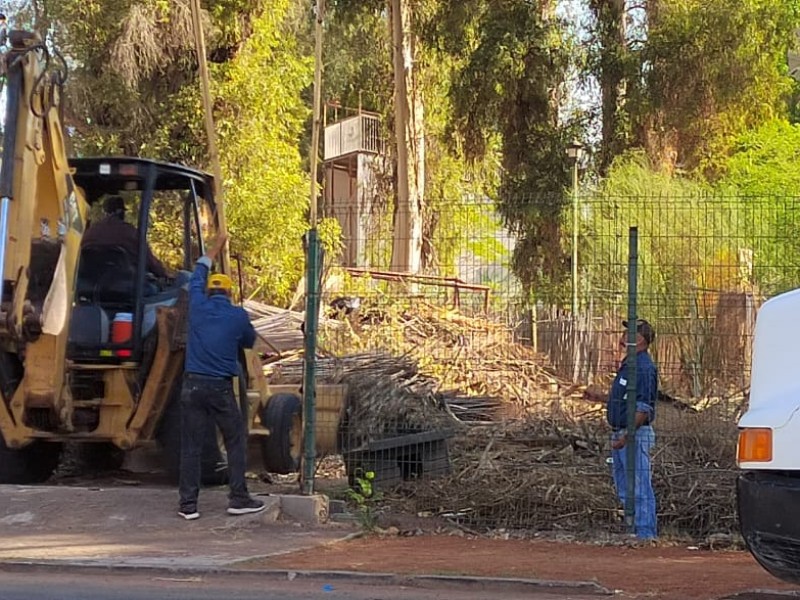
[466,385]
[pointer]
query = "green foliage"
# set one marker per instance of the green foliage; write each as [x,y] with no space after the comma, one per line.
[460,224]
[635,195]
[359,73]
[764,161]
[363,496]
[134,90]
[704,86]
[695,238]
[260,121]
[614,66]
[712,70]
[358,57]
[763,172]
[510,67]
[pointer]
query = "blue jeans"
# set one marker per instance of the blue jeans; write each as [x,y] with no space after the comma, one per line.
[645,498]
[206,401]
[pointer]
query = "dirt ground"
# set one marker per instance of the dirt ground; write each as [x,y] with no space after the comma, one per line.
[661,573]
[646,572]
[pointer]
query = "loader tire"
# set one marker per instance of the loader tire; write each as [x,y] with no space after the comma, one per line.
[34,463]
[282,449]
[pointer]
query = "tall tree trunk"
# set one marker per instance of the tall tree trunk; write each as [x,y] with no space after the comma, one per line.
[660,139]
[610,15]
[409,133]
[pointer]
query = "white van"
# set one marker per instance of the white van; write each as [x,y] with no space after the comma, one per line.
[768,454]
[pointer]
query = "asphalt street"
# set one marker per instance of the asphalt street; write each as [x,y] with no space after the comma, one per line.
[66,585]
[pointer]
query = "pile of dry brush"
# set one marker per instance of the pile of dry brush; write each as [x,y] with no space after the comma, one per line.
[529,452]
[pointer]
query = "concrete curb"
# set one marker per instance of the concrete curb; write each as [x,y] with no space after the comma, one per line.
[423,581]
[763,594]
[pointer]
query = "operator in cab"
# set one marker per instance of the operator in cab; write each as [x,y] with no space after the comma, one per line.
[113,230]
[218,330]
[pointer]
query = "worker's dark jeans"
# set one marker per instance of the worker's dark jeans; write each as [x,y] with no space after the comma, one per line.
[206,400]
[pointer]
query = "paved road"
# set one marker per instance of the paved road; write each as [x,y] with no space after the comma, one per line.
[64,585]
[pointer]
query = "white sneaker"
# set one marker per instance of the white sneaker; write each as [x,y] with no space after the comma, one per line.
[189,515]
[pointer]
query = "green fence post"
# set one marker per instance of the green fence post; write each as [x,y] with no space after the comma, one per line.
[630,398]
[313,271]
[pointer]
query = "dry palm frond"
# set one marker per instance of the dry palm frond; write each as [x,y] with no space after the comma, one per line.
[150,41]
[529,452]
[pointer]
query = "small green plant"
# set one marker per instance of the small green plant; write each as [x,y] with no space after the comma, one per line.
[363,496]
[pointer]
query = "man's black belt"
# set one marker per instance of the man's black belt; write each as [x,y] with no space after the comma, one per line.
[199,377]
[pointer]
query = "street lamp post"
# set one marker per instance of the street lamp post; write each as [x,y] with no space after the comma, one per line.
[575,151]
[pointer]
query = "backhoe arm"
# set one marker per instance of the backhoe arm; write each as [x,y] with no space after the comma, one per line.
[42,217]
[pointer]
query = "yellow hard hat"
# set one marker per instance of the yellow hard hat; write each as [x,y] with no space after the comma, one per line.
[221,282]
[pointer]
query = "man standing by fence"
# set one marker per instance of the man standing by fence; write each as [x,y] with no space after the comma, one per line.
[645,438]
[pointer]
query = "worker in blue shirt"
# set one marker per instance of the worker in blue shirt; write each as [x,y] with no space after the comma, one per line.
[645,438]
[217,331]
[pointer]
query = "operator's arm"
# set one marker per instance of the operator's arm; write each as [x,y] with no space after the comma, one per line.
[112,231]
[154,265]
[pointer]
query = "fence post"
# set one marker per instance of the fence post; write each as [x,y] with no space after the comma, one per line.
[313,271]
[630,444]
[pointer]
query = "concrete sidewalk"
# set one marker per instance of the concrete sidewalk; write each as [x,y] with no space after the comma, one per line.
[132,526]
[137,529]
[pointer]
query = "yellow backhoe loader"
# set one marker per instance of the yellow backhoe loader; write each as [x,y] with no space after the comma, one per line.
[91,344]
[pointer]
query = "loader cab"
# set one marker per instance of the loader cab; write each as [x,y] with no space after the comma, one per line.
[116,296]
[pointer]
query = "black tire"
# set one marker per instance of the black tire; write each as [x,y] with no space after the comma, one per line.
[282,449]
[100,457]
[214,464]
[34,463]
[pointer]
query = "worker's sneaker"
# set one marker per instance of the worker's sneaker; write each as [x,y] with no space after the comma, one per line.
[245,506]
[190,514]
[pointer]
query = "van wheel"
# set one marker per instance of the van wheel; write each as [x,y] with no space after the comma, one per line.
[34,463]
[282,449]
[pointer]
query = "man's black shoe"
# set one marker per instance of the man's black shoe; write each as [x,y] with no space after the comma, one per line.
[190,514]
[245,507]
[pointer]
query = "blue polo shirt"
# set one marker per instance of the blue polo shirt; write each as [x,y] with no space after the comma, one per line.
[217,329]
[646,391]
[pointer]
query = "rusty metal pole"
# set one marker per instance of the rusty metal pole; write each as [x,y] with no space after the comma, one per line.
[211,134]
[315,128]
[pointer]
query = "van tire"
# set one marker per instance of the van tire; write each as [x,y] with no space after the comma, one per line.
[282,449]
[34,463]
